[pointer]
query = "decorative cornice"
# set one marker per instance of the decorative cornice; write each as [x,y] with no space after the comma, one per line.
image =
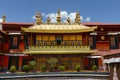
[58,29]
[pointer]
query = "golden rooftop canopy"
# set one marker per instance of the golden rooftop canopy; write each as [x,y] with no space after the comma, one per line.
[58,27]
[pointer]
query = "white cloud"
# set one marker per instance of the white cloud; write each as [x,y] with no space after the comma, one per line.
[1,20]
[33,17]
[72,16]
[88,19]
[43,14]
[52,16]
[81,18]
[64,16]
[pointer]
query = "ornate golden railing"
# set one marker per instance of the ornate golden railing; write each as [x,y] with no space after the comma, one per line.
[59,43]
[53,47]
[58,50]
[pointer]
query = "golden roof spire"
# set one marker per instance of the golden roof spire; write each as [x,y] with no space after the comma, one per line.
[38,18]
[77,18]
[68,20]
[48,20]
[3,18]
[58,16]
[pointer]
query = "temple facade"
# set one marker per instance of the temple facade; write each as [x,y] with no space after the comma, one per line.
[67,42]
[78,43]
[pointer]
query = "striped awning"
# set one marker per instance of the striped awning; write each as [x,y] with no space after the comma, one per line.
[112,60]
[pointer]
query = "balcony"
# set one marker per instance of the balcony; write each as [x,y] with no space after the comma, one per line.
[59,42]
[64,47]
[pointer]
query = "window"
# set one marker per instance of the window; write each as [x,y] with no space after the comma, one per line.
[90,41]
[0,40]
[112,42]
[22,38]
[15,39]
[14,42]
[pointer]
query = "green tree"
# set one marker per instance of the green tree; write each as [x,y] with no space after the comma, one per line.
[52,63]
[32,65]
[43,68]
[78,67]
[26,68]
[13,68]
[61,68]
[94,67]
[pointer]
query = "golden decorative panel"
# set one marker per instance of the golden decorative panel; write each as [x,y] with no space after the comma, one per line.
[65,37]
[72,37]
[45,37]
[79,37]
[52,37]
[38,37]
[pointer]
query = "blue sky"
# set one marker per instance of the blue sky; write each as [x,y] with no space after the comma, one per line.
[107,11]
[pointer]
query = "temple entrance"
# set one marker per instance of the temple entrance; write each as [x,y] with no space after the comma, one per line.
[76,62]
[26,60]
[68,61]
[93,62]
[13,60]
[40,62]
[58,39]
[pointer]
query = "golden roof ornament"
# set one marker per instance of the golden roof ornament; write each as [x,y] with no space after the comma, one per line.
[3,18]
[48,20]
[58,17]
[68,20]
[38,18]
[77,18]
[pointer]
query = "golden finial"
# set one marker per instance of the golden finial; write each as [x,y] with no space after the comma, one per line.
[38,18]
[68,20]
[77,18]
[58,16]
[48,20]
[3,18]
[58,11]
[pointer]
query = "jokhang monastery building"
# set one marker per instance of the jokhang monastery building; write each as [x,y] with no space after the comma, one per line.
[83,43]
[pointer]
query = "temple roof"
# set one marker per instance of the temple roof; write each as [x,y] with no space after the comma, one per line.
[59,28]
[3,32]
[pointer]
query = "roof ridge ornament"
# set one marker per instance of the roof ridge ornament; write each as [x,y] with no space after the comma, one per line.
[68,20]
[58,17]
[38,18]
[3,18]
[48,20]
[77,18]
